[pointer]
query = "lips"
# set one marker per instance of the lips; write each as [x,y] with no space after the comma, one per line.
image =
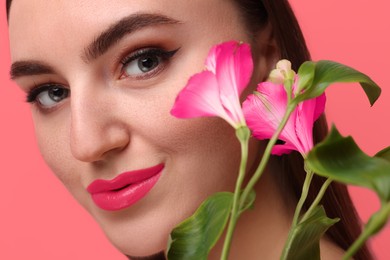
[124,190]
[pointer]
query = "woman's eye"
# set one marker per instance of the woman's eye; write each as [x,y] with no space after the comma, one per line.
[142,65]
[145,62]
[48,96]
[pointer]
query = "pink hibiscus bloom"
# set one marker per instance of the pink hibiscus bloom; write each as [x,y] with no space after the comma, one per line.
[216,91]
[265,109]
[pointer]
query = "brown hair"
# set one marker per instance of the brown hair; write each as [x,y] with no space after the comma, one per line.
[292,46]
[8,6]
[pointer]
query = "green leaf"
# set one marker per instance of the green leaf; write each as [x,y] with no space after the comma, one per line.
[195,237]
[340,159]
[306,75]
[249,203]
[307,234]
[317,76]
[384,154]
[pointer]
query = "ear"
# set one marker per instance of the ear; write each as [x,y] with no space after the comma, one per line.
[265,53]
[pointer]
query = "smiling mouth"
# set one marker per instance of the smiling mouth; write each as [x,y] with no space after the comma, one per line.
[124,190]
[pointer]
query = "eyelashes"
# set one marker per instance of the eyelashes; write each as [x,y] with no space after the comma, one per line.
[47,97]
[55,91]
[145,62]
[139,65]
[148,52]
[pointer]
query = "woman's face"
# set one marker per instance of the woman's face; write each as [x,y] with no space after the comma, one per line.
[102,78]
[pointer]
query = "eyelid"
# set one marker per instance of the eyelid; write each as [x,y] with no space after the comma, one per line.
[150,51]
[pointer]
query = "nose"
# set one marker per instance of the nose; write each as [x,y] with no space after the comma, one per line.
[96,129]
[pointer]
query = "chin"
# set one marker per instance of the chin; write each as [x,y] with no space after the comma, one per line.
[138,238]
[139,246]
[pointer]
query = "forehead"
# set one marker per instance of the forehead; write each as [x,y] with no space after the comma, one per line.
[76,22]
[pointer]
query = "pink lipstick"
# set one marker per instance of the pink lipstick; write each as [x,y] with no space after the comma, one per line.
[124,190]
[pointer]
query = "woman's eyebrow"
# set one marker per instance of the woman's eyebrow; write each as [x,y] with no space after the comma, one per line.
[29,68]
[122,28]
[104,41]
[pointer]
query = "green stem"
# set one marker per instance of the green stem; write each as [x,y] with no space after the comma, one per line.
[302,199]
[298,209]
[376,223]
[317,199]
[267,153]
[252,182]
[243,135]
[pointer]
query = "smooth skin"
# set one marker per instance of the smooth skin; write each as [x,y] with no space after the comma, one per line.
[104,118]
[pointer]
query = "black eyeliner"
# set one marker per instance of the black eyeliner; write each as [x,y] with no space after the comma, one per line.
[150,51]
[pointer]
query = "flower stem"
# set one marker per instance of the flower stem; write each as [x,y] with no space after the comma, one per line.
[302,199]
[317,199]
[267,153]
[243,135]
[305,191]
[239,201]
[376,223]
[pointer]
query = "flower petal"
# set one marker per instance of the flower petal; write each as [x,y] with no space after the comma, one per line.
[211,60]
[263,126]
[200,97]
[233,71]
[229,69]
[257,118]
[265,110]
[308,111]
[320,106]
[275,99]
[281,149]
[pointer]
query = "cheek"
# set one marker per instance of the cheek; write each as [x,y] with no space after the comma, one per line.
[176,135]
[201,151]
[192,143]
[199,135]
[53,142]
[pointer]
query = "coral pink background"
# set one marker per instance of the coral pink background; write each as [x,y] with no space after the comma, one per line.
[40,220]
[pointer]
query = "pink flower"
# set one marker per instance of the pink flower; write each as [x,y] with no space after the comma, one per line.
[216,91]
[264,111]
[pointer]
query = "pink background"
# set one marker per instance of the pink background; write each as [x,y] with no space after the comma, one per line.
[40,220]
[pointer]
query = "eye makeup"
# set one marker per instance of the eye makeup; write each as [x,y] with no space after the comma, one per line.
[56,89]
[141,64]
[47,97]
[149,62]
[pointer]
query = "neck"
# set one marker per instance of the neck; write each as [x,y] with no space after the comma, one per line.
[260,233]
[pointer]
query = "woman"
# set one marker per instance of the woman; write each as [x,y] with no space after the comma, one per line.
[101,90]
